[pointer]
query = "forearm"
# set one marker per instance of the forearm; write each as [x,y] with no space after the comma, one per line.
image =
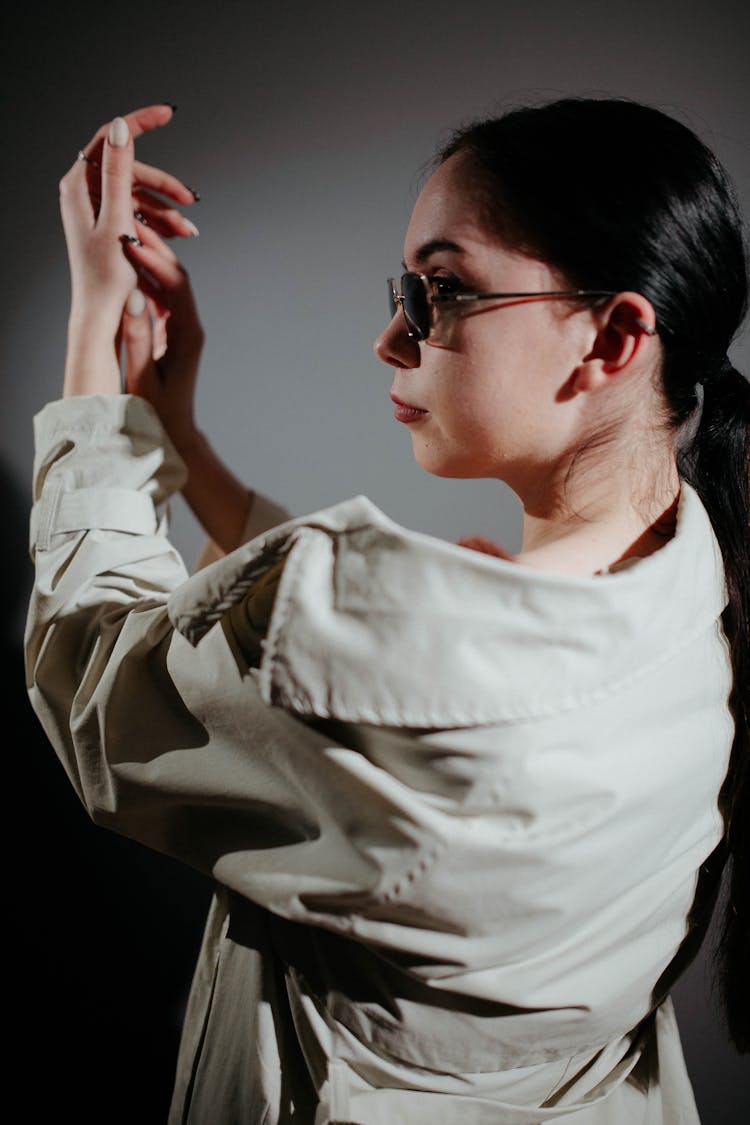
[91,361]
[218,499]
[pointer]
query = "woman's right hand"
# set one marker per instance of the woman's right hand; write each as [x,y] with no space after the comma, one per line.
[485,546]
[163,338]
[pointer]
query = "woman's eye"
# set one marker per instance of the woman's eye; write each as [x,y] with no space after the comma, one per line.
[445,286]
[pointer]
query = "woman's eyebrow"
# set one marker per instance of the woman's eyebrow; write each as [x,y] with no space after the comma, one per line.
[432,247]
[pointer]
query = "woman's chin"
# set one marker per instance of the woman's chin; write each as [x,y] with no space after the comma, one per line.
[450,468]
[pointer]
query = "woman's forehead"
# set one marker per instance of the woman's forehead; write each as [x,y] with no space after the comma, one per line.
[448,210]
[451,214]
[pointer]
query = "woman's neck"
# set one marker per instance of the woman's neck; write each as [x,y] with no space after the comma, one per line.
[595,545]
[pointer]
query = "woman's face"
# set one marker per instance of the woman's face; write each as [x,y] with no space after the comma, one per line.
[495,380]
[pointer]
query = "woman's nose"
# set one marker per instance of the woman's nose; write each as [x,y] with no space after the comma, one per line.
[395,346]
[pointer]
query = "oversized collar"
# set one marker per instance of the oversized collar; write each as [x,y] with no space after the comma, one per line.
[374,622]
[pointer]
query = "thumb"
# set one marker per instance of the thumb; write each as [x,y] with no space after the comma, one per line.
[117,176]
[137,340]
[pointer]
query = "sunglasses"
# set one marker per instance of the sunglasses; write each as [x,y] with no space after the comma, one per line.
[419,293]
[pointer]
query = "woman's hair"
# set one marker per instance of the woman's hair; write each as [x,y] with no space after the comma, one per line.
[620,196]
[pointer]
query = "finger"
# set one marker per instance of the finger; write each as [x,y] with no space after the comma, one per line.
[116,212]
[159,318]
[165,220]
[167,282]
[159,309]
[137,342]
[149,237]
[138,121]
[148,208]
[157,180]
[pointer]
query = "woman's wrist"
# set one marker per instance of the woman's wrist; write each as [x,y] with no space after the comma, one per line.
[92,364]
[191,444]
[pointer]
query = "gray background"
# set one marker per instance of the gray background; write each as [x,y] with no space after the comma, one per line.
[306,128]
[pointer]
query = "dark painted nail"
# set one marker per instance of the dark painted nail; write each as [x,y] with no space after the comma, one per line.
[171,106]
[195,194]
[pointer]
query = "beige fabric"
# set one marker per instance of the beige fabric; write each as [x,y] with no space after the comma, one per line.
[455,808]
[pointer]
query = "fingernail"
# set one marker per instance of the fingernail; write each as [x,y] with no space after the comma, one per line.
[191,227]
[119,134]
[171,106]
[195,194]
[136,303]
[131,238]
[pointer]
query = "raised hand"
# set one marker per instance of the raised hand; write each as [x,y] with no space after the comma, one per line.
[162,337]
[152,188]
[129,290]
[98,197]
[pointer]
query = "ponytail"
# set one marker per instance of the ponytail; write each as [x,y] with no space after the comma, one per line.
[717,465]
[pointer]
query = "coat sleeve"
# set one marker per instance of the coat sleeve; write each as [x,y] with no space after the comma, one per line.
[168,742]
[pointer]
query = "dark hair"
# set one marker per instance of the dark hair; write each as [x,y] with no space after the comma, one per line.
[618,195]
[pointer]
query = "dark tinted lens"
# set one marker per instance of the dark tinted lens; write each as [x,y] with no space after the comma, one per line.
[416,306]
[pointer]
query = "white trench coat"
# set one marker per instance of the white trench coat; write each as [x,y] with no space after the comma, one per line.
[461,814]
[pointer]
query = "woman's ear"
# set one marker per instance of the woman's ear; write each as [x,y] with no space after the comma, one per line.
[626,326]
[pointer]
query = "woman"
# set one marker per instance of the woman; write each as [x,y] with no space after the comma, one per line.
[466,812]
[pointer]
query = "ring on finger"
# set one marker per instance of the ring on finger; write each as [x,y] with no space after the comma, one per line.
[82,156]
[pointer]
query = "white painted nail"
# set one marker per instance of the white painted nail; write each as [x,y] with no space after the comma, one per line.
[136,303]
[191,227]
[119,134]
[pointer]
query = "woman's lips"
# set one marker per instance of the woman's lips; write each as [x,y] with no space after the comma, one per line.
[406,412]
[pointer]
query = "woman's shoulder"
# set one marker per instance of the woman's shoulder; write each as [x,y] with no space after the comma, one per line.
[363,619]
